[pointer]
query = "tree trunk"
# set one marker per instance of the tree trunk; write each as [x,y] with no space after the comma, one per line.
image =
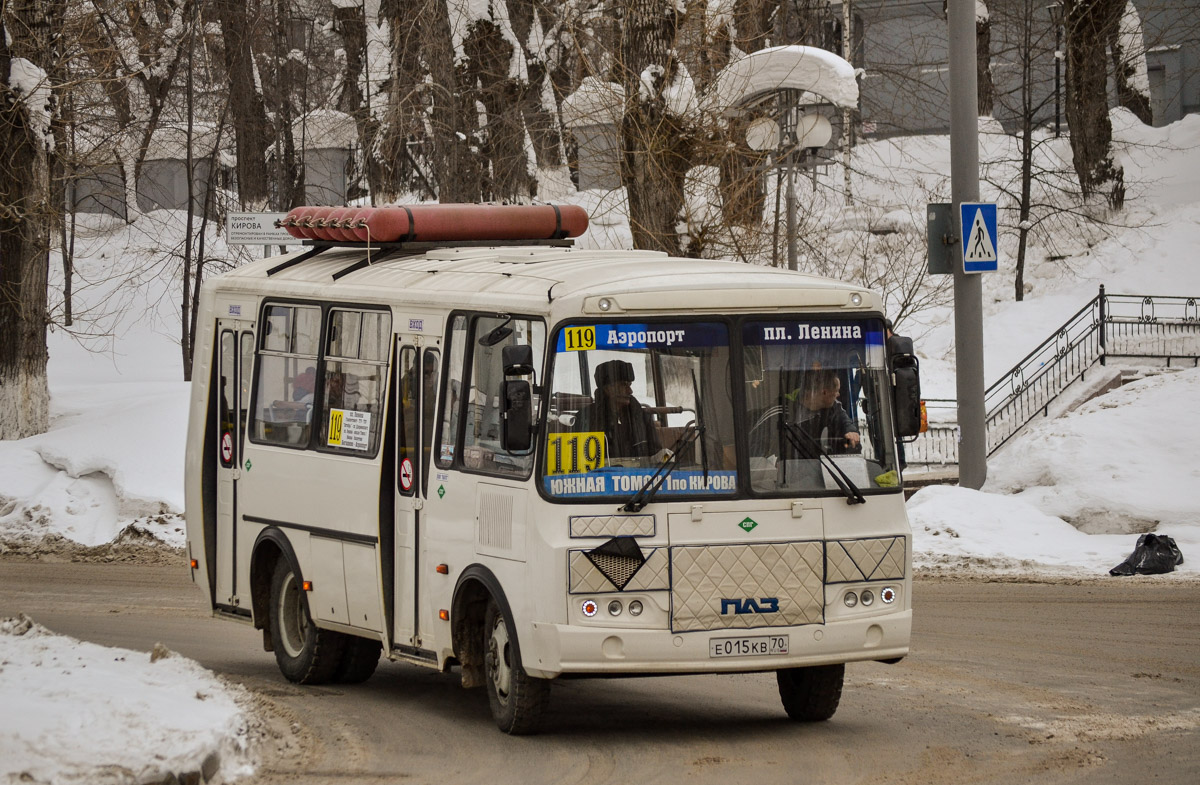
[546,87]
[983,63]
[509,174]
[397,149]
[288,178]
[26,56]
[248,110]
[1088,28]
[1128,49]
[656,142]
[454,135]
[351,24]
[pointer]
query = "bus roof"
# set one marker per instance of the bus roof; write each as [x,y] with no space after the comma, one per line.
[535,279]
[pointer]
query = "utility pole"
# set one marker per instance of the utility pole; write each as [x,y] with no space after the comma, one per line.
[847,117]
[968,289]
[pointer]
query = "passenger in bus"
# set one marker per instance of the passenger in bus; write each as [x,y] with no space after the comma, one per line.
[341,391]
[304,384]
[628,429]
[820,416]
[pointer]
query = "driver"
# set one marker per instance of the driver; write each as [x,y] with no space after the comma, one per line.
[819,415]
[628,429]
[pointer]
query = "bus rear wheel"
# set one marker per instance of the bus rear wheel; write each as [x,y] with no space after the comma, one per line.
[516,698]
[811,694]
[305,653]
[360,657]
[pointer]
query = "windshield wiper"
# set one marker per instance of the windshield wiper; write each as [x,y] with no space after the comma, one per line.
[646,493]
[795,433]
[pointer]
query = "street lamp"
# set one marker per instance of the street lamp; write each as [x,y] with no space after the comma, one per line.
[796,136]
[1056,18]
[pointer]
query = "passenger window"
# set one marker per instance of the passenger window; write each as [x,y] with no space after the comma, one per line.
[482,449]
[354,375]
[452,400]
[287,369]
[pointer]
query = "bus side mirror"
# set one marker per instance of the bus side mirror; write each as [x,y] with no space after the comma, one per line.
[516,429]
[518,360]
[906,385]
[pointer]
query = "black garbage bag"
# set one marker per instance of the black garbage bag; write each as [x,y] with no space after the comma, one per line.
[1154,554]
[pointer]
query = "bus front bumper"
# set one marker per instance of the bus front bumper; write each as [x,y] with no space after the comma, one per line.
[557,649]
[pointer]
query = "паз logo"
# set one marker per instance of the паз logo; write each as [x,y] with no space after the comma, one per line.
[749,605]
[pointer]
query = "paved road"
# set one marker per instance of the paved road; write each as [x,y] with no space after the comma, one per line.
[1091,683]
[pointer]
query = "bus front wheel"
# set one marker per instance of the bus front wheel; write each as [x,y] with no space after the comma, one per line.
[516,698]
[305,653]
[811,694]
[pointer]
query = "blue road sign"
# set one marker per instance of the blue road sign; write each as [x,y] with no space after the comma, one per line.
[979,237]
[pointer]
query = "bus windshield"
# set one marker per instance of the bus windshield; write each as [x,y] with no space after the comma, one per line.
[816,393]
[626,398]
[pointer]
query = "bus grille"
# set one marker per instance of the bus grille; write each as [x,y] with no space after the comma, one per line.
[745,586]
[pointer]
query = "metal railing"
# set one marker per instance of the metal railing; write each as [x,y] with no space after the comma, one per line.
[1146,329]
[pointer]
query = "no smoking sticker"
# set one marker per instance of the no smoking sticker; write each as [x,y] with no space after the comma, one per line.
[226,447]
[406,474]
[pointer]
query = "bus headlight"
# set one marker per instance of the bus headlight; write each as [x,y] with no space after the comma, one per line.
[867,597]
[614,608]
[635,608]
[851,599]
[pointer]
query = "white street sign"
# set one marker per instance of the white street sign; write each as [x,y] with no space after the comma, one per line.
[256,229]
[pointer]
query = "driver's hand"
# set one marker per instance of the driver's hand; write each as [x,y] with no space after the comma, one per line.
[852,440]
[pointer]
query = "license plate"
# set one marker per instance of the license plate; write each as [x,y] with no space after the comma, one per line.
[748,646]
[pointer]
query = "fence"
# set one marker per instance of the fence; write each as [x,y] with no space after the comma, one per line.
[1140,329]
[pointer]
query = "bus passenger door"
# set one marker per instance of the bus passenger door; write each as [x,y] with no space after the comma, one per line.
[235,359]
[417,375]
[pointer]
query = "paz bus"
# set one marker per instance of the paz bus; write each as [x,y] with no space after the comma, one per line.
[446,435]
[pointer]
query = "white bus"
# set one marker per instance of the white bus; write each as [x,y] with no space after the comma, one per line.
[526,461]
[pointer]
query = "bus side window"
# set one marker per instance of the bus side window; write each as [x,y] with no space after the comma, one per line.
[482,449]
[354,373]
[287,360]
[450,400]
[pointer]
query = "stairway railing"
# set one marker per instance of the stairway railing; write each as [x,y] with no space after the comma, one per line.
[1159,329]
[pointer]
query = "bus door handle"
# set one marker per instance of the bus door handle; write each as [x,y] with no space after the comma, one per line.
[418,503]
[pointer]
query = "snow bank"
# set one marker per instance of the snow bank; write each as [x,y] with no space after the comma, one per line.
[75,712]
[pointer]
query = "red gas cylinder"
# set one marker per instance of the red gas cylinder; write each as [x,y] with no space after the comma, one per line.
[337,229]
[291,221]
[357,224]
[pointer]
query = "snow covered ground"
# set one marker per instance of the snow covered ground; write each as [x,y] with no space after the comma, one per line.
[1065,500]
[78,712]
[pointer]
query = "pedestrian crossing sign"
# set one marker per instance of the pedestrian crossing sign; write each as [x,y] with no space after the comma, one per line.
[978,237]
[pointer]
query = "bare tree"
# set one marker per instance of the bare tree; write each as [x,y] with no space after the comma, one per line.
[249,114]
[657,133]
[1089,27]
[1128,49]
[27,54]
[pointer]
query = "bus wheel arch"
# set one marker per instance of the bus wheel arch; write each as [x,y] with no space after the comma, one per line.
[487,646]
[468,611]
[270,546]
